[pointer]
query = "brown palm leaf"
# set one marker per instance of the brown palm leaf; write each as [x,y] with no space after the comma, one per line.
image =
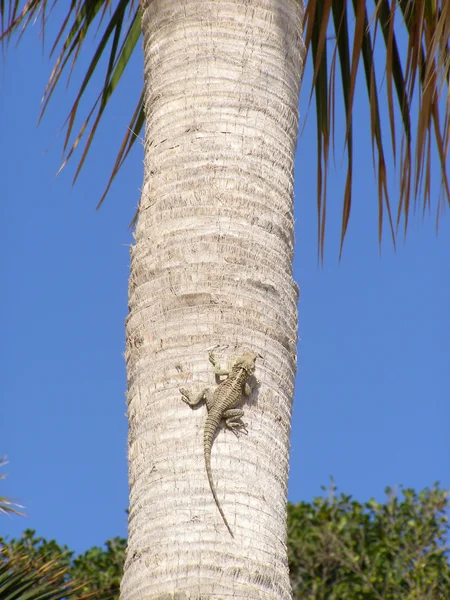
[346,31]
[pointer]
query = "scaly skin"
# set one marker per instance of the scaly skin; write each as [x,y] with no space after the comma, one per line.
[221,404]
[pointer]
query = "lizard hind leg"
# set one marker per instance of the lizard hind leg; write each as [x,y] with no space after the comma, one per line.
[233,421]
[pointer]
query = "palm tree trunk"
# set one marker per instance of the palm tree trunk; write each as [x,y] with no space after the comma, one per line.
[212,266]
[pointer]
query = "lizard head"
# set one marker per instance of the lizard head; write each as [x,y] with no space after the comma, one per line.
[247,362]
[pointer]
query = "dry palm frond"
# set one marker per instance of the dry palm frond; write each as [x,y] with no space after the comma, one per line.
[424,76]
[121,28]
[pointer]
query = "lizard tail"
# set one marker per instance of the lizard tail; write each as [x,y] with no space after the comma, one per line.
[211,483]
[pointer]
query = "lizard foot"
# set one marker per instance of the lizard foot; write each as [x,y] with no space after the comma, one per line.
[238,428]
[184,395]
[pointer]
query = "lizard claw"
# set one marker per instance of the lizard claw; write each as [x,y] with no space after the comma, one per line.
[242,430]
[184,395]
[238,428]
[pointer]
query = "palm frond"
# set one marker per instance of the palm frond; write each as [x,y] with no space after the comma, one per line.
[423,79]
[25,578]
[7,505]
[120,33]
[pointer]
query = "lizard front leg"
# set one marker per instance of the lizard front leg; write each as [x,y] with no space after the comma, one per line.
[219,372]
[248,389]
[232,418]
[206,394]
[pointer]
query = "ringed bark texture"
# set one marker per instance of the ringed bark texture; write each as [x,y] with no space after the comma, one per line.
[212,266]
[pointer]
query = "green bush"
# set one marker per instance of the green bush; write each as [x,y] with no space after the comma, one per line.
[340,549]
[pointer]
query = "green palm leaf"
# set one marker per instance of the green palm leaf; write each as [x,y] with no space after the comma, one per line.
[22,578]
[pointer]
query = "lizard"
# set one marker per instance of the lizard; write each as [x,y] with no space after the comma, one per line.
[221,404]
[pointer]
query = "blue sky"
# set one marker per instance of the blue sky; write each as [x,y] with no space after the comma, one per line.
[371,404]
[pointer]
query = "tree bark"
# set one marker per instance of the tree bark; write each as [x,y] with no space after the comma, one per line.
[212,267]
